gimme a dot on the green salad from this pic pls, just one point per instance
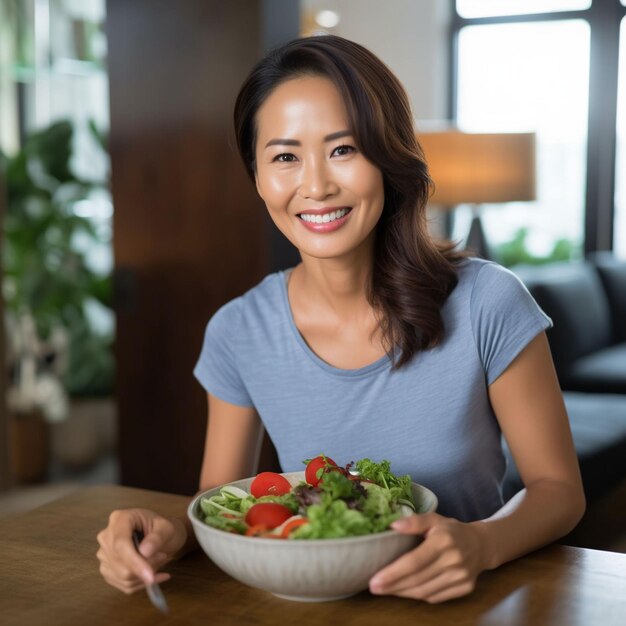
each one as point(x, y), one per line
point(332, 502)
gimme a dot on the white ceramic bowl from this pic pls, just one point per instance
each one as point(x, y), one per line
point(311, 570)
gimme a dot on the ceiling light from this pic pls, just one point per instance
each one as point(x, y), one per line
point(327, 19)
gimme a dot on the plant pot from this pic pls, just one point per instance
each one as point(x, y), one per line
point(29, 446)
point(89, 431)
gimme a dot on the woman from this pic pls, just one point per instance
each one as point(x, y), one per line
point(380, 343)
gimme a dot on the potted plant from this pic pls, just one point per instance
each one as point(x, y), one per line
point(48, 282)
point(516, 251)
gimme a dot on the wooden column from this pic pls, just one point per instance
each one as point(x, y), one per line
point(189, 230)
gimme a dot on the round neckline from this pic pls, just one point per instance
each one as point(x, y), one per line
point(382, 362)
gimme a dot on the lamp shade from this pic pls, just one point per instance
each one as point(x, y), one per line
point(477, 168)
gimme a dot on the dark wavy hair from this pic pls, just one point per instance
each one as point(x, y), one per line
point(412, 275)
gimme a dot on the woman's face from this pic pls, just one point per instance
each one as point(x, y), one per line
point(321, 192)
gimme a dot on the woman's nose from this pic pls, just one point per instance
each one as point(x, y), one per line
point(317, 182)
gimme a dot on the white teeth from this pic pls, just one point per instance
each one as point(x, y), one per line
point(323, 219)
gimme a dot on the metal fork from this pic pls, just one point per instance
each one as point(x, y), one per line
point(154, 591)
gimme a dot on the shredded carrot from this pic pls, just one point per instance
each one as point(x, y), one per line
point(292, 525)
point(256, 531)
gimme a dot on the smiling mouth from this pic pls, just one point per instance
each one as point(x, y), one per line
point(326, 217)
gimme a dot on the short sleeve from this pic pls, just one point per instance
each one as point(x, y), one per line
point(216, 369)
point(505, 318)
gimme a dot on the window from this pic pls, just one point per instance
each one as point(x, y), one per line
point(540, 88)
point(488, 8)
point(550, 66)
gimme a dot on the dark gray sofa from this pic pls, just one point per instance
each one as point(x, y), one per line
point(587, 303)
point(598, 423)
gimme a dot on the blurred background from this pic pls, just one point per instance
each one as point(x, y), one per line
point(127, 219)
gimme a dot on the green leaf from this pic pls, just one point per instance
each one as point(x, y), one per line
point(43, 270)
point(399, 486)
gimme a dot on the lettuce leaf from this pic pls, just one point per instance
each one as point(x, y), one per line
point(398, 487)
point(349, 508)
point(225, 523)
point(342, 507)
point(333, 519)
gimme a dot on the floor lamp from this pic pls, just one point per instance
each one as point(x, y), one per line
point(477, 169)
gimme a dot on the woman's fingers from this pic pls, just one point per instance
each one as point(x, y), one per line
point(413, 561)
point(123, 578)
point(118, 547)
point(418, 523)
point(159, 559)
point(417, 560)
point(437, 590)
point(412, 579)
point(122, 564)
point(124, 553)
point(162, 577)
point(445, 565)
point(118, 570)
point(126, 584)
point(158, 537)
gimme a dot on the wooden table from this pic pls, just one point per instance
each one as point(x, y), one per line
point(49, 575)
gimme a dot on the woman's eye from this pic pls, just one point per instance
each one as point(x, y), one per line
point(343, 150)
point(284, 157)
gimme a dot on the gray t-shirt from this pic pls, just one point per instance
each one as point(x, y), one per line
point(431, 419)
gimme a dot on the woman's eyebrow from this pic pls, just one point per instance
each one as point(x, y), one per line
point(295, 142)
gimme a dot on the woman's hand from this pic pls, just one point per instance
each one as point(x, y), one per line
point(120, 563)
point(444, 566)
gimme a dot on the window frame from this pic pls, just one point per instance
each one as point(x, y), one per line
point(604, 18)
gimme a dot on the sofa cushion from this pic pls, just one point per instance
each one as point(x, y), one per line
point(572, 295)
point(612, 273)
point(598, 423)
point(603, 371)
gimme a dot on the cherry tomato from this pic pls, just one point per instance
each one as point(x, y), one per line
point(314, 465)
point(269, 484)
point(268, 514)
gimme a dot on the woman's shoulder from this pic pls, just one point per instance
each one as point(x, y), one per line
point(490, 291)
point(480, 274)
point(485, 284)
point(469, 267)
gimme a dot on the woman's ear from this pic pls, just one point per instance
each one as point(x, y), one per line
point(258, 187)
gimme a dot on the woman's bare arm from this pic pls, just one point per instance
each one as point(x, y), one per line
point(233, 440)
point(529, 405)
point(231, 450)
